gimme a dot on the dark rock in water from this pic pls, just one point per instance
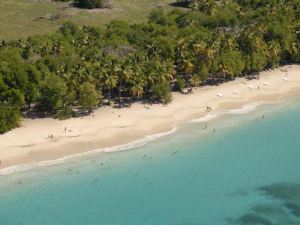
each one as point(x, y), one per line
point(294, 208)
point(252, 219)
point(268, 209)
point(285, 207)
point(282, 191)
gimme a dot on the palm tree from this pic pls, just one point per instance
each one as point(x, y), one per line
point(108, 76)
point(111, 81)
point(251, 39)
point(169, 70)
point(137, 83)
point(228, 42)
point(187, 66)
point(273, 52)
point(124, 76)
point(196, 80)
point(137, 89)
point(223, 70)
point(205, 6)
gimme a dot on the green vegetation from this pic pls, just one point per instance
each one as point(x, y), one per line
point(162, 92)
point(24, 18)
point(9, 117)
point(89, 97)
point(69, 72)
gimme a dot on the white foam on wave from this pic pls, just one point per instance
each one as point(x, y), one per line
point(246, 108)
point(243, 110)
point(207, 117)
point(134, 144)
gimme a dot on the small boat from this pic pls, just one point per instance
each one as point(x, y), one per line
point(284, 78)
point(220, 95)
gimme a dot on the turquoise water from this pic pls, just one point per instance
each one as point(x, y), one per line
point(247, 172)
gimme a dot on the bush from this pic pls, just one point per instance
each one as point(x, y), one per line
point(180, 84)
point(9, 117)
point(89, 96)
point(64, 113)
point(162, 92)
point(91, 4)
point(53, 93)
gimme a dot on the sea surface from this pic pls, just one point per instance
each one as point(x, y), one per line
point(236, 169)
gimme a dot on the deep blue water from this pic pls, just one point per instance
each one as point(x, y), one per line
point(247, 172)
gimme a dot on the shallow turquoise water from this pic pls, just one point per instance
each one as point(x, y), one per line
point(247, 172)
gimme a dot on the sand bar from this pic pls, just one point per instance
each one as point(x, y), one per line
point(108, 126)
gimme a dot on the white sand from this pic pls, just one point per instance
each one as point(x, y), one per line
point(109, 127)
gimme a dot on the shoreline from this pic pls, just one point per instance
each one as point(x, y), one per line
point(109, 129)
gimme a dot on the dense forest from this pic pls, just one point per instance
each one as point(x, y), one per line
point(77, 69)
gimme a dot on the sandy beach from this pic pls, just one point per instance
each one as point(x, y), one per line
point(108, 126)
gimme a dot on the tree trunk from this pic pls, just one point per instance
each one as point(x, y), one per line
point(120, 86)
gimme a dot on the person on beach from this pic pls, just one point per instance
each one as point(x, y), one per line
point(65, 129)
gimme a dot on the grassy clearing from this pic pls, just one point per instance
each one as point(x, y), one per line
point(21, 18)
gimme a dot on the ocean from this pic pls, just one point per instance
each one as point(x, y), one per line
point(235, 169)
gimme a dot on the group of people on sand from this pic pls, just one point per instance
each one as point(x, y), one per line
point(147, 107)
point(51, 136)
point(208, 109)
